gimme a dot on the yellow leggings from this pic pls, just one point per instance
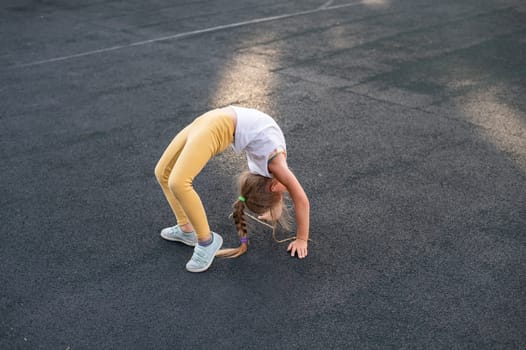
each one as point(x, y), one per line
point(184, 158)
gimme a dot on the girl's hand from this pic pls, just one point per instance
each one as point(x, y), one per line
point(298, 246)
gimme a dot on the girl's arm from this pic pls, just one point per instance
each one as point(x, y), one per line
point(281, 172)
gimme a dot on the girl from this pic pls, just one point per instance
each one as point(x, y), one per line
point(261, 189)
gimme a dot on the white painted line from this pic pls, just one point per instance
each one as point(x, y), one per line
point(326, 7)
point(327, 4)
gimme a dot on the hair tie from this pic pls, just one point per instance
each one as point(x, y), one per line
point(244, 240)
point(241, 198)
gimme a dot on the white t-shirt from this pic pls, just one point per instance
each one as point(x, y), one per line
point(259, 136)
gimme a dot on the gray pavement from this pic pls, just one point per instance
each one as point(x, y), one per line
point(405, 122)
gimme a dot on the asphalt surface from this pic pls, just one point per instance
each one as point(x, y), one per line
point(405, 122)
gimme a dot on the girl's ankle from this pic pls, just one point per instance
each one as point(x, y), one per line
point(187, 228)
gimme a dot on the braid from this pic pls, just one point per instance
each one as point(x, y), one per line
point(241, 227)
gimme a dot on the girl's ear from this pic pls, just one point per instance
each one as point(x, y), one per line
point(274, 185)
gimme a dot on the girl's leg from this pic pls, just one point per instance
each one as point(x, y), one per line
point(190, 162)
point(163, 170)
point(208, 136)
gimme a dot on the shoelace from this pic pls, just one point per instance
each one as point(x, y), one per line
point(175, 233)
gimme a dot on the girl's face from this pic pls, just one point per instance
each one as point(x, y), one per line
point(276, 211)
point(273, 213)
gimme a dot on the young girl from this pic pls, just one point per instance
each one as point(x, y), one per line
point(261, 189)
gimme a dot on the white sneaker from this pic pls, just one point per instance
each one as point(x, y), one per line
point(175, 234)
point(203, 256)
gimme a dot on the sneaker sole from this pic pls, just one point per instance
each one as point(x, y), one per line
point(203, 269)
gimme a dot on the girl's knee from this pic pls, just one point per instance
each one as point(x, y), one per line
point(178, 184)
point(161, 173)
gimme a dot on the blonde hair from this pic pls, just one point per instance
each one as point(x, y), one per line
point(257, 196)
